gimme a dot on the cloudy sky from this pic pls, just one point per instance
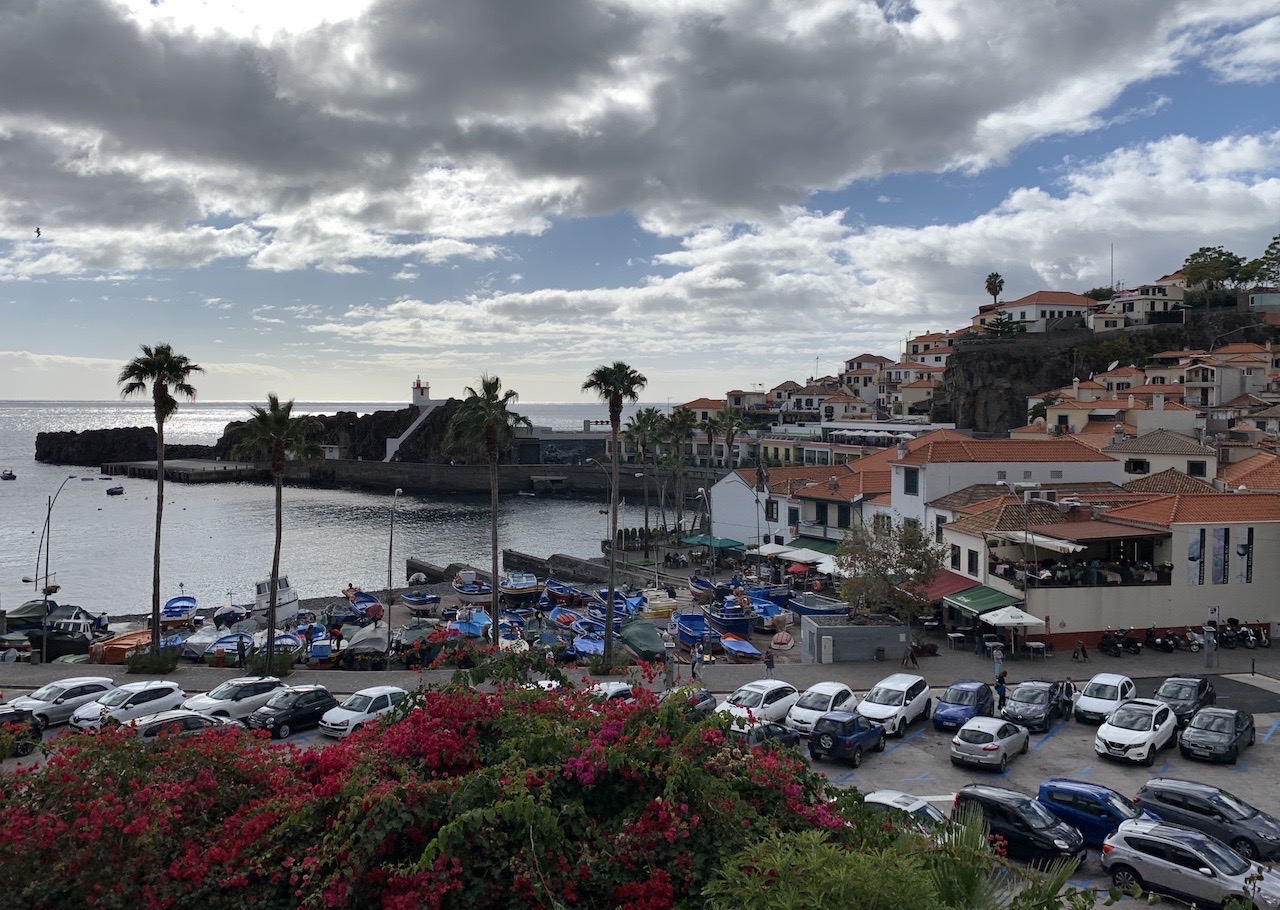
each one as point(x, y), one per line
point(327, 198)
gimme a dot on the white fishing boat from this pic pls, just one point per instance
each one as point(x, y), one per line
point(286, 599)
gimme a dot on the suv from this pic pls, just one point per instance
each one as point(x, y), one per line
point(132, 700)
point(56, 702)
point(1030, 831)
point(294, 708)
point(1186, 695)
point(1136, 731)
point(896, 701)
point(1034, 704)
point(964, 700)
point(696, 703)
point(361, 708)
point(1251, 833)
point(1187, 864)
point(1102, 695)
point(843, 734)
point(235, 698)
point(764, 699)
point(1092, 808)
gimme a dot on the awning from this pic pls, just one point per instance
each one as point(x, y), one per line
point(720, 543)
point(979, 599)
point(1039, 541)
point(944, 584)
point(828, 566)
point(773, 549)
point(816, 544)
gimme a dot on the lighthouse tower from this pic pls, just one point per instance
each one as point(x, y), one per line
point(422, 394)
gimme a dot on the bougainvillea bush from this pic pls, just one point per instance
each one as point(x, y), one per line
point(515, 798)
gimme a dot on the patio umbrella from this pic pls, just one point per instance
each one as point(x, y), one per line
point(798, 568)
point(1012, 617)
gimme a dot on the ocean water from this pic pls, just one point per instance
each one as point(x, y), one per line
point(217, 538)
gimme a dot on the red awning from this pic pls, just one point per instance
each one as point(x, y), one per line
point(945, 583)
point(798, 568)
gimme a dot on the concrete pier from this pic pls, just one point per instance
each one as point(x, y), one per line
point(189, 470)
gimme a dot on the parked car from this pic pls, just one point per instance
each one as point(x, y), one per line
point(1031, 832)
point(1136, 731)
point(614, 690)
point(846, 735)
point(291, 709)
point(1186, 695)
point(361, 708)
point(152, 728)
point(698, 703)
point(896, 701)
point(989, 742)
point(1250, 832)
point(1096, 811)
point(1186, 864)
point(235, 698)
point(56, 702)
point(1102, 695)
point(766, 733)
point(21, 724)
point(1217, 734)
point(130, 701)
point(963, 700)
point(764, 699)
point(816, 701)
point(922, 813)
point(1032, 704)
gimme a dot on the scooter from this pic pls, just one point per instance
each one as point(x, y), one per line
point(1109, 644)
point(1248, 637)
point(1194, 640)
point(1159, 642)
point(1264, 639)
point(1131, 643)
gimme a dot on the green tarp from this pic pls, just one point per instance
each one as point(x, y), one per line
point(720, 543)
point(980, 599)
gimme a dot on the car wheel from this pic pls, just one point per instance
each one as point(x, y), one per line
point(1125, 879)
point(815, 755)
point(856, 758)
point(1245, 848)
point(1183, 752)
point(1004, 763)
point(42, 722)
point(880, 743)
point(1026, 745)
point(1234, 755)
point(899, 729)
point(1253, 737)
point(928, 708)
point(827, 742)
point(23, 749)
point(1151, 756)
point(283, 731)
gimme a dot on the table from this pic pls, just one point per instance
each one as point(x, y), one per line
point(955, 640)
point(1034, 649)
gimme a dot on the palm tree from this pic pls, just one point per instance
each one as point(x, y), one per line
point(167, 373)
point(274, 430)
point(614, 384)
point(644, 430)
point(995, 284)
point(485, 421)
point(681, 424)
point(710, 426)
point(731, 424)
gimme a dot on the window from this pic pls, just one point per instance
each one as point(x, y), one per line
point(842, 516)
point(955, 557)
point(911, 481)
point(1002, 475)
point(793, 517)
point(771, 510)
point(1026, 475)
point(938, 524)
point(881, 523)
point(1137, 466)
point(1055, 475)
point(1197, 468)
point(973, 562)
point(820, 513)
point(912, 523)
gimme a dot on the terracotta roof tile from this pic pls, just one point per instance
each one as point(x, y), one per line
point(1046, 298)
point(1241, 347)
point(1258, 472)
point(1201, 508)
point(1007, 516)
point(996, 450)
point(984, 491)
point(1161, 442)
point(705, 403)
point(1169, 481)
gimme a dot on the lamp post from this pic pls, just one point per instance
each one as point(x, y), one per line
point(391, 539)
point(711, 530)
point(46, 537)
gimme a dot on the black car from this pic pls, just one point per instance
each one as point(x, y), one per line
point(698, 703)
point(1186, 695)
point(294, 708)
point(1250, 832)
point(1033, 704)
point(21, 724)
point(1031, 831)
point(766, 734)
point(1217, 734)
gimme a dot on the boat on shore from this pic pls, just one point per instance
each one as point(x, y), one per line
point(738, 649)
point(286, 599)
point(769, 615)
point(178, 611)
point(733, 615)
point(561, 592)
point(420, 603)
point(472, 588)
point(659, 603)
point(692, 629)
point(810, 604)
point(519, 588)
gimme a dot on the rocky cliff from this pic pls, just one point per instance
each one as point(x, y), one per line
point(361, 437)
point(93, 448)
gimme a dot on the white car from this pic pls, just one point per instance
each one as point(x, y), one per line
point(816, 701)
point(922, 812)
point(361, 708)
point(152, 728)
point(130, 701)
point(235, 698)
point(764, 699)
point(896, 701)
point(612, 691)
point(56, 702)
point(1102, 695)
point(989, 742)
point(1136, 731)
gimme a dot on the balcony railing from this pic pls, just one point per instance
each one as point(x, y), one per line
point(1080, 575)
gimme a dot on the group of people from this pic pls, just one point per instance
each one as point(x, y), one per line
point(1064, 693)
point(675, 560)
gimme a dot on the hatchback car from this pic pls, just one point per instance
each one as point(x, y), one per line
point(1102, 695)
point(292, 709)
point(766, 733)
point(989, 742)
point(20, 725)
point(1031, 831)
point(1136, 731)
point(896, 701)
point(1092, 808)
point(1251, 833)
point(963, 700)
point(816, 701)
point(1186, 864)
point(56, 702)
point(179, 722)
point(1217, 734)
point(1033, 703)
point(130, 701)
point(846, 735)
point(1186, 695)
point(922, 813)
point(361, 708)
point(614, 690)
point(697, 703)
point(764, 699)
point(235, 698)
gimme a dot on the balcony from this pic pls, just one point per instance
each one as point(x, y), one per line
point(1093, 574)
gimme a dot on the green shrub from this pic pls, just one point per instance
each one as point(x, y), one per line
point(281, 665)
point(142, 661)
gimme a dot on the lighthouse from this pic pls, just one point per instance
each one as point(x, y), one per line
point(422, 394)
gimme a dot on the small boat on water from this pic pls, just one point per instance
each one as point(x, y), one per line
point(738, 649)
point(178, 611)
point(733, 614)
point(115, 491)
point(692, 629)
point(7, 474)
point(519, 588)
point(472, 588)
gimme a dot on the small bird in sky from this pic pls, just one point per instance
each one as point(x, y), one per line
point(37, 232)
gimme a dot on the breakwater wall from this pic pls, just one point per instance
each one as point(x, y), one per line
point(558, 565)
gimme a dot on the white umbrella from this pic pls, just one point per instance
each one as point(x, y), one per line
point(1012, 617)
point(773, 549)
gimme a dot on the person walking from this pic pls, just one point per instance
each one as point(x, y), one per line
point(997, 658)
point(1066, 698)
point(768, 664)
point(695, 659)
point(1000, 689)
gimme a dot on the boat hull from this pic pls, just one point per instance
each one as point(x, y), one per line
point(739, 650)
point(732, 624)
point(692, 629)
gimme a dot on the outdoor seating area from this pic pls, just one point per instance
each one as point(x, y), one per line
point(1080, 573)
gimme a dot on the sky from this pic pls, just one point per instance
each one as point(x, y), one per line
point(327, 199)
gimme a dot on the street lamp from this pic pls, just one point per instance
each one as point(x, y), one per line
point(391, 538)
point(45, 545)
point(711, 530)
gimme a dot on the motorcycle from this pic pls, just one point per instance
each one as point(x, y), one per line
point(1159, 642)
point(1194, 640)
point(1228, 637)
point(1130, 642)
point(1264, 639)
point(1110, 644)
point(1248, 637)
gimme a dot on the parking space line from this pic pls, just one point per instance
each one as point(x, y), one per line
point(902, 742)
point(1052, 731)
point(1084, 772)
point(1241, 766)
point(1272, 730)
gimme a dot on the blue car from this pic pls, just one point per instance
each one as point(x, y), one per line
point(1096, 810)
point(846, 735)
point(964, 700)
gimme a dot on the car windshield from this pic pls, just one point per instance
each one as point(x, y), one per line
point(115, 698)
point(1130, 719)
point(225, 691)
point(1036, 815)
point(1213, 723)
point(929, 814)
point(48, 693)
point(879, 696)
point(958, 696)
point(1232, 807)
point(357, 703)
point(1030, 696)
point(746, 698)
point(1105, 691)
point(815, 701)
point(1177, 691)
point(975, 737)
point(283, 700)
point(1223, 857)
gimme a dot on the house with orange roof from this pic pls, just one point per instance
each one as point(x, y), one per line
point(1040, 311)
point(744, 400)
point(777, 396)
point(756, 506)
point(706, 408)
point(1267, 419)
point(1259, 474)
point(1147, 304)
point(1161, 450)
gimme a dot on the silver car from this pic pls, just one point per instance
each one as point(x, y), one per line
point(1186, 864)
point(989, 742)
point(56, 702)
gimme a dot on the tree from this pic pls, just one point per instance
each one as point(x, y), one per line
point(486, 422)
point(681, 425)
point(167, 374)
point(878, 561)
point(1100, 294)
point(995, 284)
point(1041, 408)
point(731, 424)
point(1003, 326)
point(274, 431)
point(711, 427)
point(644, 431)
point(1211, 268)
point(614, 384)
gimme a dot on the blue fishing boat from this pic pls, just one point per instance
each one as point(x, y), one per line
point(810, 604)
point(778, 594)
point(228, 646)
point(704, 588)
point(692, 628)
point(562, 592)
point(472, 588)
point(589, 645)
point(471, 623)
point(733, 614)
point(767, 613)
point(738, 649)
point(178, 611)
point(563, 616)
point(420, 603)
